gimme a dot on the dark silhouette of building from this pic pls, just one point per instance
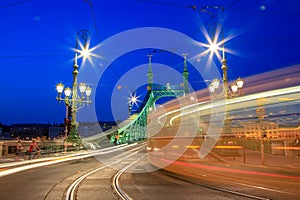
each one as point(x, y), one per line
point(27, 131)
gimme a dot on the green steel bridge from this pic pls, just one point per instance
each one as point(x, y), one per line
point(135, 127)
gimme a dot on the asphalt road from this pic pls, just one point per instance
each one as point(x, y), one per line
point(47, 182)
point(51, 182)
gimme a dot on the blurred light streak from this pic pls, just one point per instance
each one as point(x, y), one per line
point(281, 78)
point(239, 102)
point(192, 147)
point(228, 147)
point(277, 79)
point(222, 169)
point(287, 148)
point(30, 164)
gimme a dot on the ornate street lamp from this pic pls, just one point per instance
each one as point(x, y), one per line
point(72, 99)
point(235, 87)
point(234, 90)
point(132, 100)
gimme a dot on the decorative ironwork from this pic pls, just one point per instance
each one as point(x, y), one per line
point(136, 130)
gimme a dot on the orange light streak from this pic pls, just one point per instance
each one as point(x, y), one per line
point(228, 147)
point(223, 169)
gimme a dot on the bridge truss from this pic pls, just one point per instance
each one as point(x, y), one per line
point(136, 130)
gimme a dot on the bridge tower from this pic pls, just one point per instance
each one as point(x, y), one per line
point(150, 74)
point(136, 129)
point(185, 75)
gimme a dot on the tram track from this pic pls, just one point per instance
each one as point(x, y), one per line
point(118, 190)
point(72, 190)
point(116, 181)
point(90, 179)
point(217, 188)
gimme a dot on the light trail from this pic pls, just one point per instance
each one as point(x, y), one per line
point(290, 93)
point(51, 161)
point(223, 169)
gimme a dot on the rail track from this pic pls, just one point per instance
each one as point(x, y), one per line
point(129, 157)
point(71, 193)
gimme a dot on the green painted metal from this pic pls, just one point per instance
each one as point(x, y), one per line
point(136, 130)
point(185, 75)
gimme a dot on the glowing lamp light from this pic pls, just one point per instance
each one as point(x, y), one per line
point(240, 82)
point(213, 47)
point(68, 92)
point(85, 53)
point(59, 88)
point(72, 99)
point(133, 99)
point(168, 87)
point(216, 83)
point(212, 88)
point(82, 87)
point(88, 91)
point(234, 88)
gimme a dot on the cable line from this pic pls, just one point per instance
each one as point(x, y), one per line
point(14, 4)
point(32, 55)
point(93, 16)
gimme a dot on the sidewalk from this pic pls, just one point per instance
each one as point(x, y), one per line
point(254, 159)
point(7, 159)
point(11, 158)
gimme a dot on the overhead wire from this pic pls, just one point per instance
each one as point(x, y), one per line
point(14, 4)
point(91, 5)
point(32, 55)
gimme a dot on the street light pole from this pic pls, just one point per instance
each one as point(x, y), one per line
point(227, 124)
point(73, 132)
point(66, 121)
point(224, 69)
point(72, 98)
point(226, 93)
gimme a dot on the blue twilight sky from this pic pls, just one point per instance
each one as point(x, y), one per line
point(38, 39)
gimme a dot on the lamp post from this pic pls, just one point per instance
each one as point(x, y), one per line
point(234, 90)
point(71, 97)
point(132, 100)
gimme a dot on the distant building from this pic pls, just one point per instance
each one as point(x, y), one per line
point(56, 132)
point(266, 129)
point(288, 132)
point(86, 129)
point(4, 132)
point(28, 131)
